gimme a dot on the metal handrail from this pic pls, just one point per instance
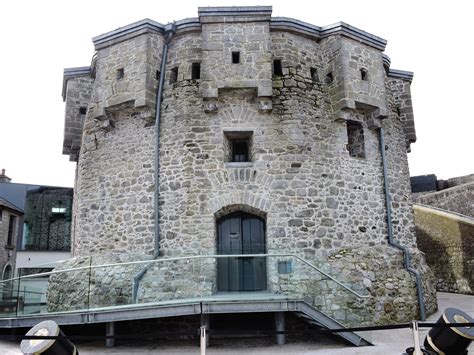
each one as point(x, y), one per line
point(192, 257)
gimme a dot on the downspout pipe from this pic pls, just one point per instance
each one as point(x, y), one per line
point(159, 96)
point(391, 241)
point(169, 32)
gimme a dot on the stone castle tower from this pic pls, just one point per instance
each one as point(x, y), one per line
point(267, 140)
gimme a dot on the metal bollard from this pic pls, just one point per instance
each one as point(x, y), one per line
point(452, 341)
point(47, 346)
point(203, 340)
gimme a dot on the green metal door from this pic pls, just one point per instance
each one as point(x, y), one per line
point(241, 233)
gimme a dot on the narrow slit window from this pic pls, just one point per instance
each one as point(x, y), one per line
point(235, 57)
point(174, 75)
point(329, 78)
point(11, 230)
point(364, 74)
point(355, 139)
point(196, 71)
point(277, 69)
point(314, 75)
point(120, 73)
point(158, 74)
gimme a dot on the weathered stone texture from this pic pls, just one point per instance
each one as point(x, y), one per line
point(92, 286)
point(401, 96)
point(448, 243)
point(317, 200)
point(251, 41)
point(7, 250)
point(118, 162)
point(459, 199)
point(77, 98)
point(126, 73)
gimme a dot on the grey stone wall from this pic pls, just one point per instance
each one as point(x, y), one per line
point(403, 106)
point(77, 95)
point(8, 251)
point(448, 242)
point(126, 73)
point(318, 201)
point(459, 199)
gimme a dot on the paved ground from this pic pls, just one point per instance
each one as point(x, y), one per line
point(385, 342)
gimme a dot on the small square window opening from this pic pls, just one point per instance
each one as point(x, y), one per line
point(238, 146)
point(235, 57)
point(82, 110)
point(364, 74)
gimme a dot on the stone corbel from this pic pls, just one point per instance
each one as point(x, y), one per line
point(211, 106)
point(265, 104)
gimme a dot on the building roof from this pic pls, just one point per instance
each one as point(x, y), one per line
point(10, 206)
point(209, 14)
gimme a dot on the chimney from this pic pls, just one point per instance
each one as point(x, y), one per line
point(3, 177)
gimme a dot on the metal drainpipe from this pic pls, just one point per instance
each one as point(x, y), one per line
point(159, 95)
point(406, 252)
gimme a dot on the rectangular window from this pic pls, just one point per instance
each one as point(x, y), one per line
point(120, 73)
point(240, 151)
point(329, 78)
point(196, 71)
point(314, 75)
point(277, 69)
point(355, 139)
point(174, 75)
point(58, 210)
point(238, 146)
point(11, 230)
point(235, 57)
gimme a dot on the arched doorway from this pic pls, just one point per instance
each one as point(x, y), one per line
point(241, 233)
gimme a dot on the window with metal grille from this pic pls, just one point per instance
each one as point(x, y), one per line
point(238, 146)
point(240, 151)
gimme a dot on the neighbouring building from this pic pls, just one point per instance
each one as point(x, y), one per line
point(273, 136)
point(38, 219)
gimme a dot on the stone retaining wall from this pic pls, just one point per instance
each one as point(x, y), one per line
point(448, 243)
point(459, 199)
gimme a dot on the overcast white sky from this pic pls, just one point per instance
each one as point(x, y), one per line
point(40, 38)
